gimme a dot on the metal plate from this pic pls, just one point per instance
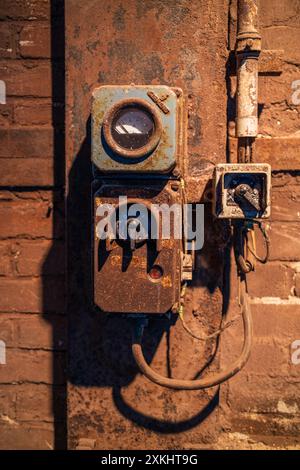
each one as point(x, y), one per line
point(164, 156)
point(121, 277)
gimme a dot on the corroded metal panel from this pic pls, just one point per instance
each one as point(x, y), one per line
point(119, 268)
point(164, 103)
point(180, 44)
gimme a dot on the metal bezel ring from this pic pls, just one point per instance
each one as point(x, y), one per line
point(154, 139)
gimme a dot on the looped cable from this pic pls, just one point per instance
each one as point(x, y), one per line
point(245, 255)
point(245, 246)
point(206, 382)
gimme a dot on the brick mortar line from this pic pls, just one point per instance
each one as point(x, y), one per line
point(32, 277)
point(14, 385)
point(26, 382)
point(27, 21)
point(14, 318)
point(24, 348)
point(24, 237)
point(275, 415)
point(33, 189)
point(25, 277)
point(268, 300)
point(29, 96)
point(41, 314)
point(18, 422)
point(34, 61)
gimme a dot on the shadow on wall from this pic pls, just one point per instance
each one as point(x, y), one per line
point(99, 346)
point(53, 270)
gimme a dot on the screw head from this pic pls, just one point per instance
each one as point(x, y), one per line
point(175, 186)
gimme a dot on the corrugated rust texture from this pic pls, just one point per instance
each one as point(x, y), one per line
point(181, 44)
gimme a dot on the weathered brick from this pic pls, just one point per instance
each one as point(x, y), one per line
point(35, 41)
point(33, 366)
point(284, 241)
point(297, 284)
point(281, 152)
point(279, 13)
point(275, 431)
point(32, 257)
point(279, 120)
point(35, 146)
point(251, 393)
point(279, 321)
point(33, 112)
point(30, 219)
point(26, 10)
point(8, 401)
point(36, 402)
point(283, 180)
point(7, 42)
point(36, 332)
point(282, 281)
point(269, 356)
point(275, 89)
point(39, 436)
point(32, 194)
point(7, 330)
point(31, 172)
point(6, 114)
point(286, 203)
point(27, 78)
point(26, 142)
point(5, 260)
point(32, 295)
point(33, 331)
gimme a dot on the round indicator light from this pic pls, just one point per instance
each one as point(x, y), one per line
point(155, 273)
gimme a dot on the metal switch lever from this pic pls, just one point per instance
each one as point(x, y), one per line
point(244, 191)
point(134, 224)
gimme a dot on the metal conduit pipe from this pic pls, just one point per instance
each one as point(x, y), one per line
point(248, 47)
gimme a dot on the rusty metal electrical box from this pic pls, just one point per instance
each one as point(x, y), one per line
point(137, 129)
point(138, 141)
point(137, 274)
point(242, 191)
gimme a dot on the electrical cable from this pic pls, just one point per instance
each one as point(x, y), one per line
point(206, 382)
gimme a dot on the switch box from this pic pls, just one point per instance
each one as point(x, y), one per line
point(140, 275)
point(242, 191)
point(138, 129)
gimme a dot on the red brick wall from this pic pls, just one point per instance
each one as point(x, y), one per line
point(32, 321)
